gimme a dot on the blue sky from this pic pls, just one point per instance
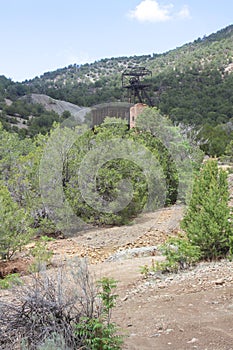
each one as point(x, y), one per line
point(42, 35)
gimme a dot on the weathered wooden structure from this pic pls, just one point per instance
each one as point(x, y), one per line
point(113, 109)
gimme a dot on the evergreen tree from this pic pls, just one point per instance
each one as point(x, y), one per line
point(207, 220)
point(14, 228)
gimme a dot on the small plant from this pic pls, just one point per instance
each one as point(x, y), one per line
point(180, 254)
point(41, 253)
point(108, 298)
point(10, 280)
point(99, 333)
point(145, 270)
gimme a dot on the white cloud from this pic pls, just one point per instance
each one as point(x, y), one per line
point(70, 56)
point(151, 11)
point(184, 13)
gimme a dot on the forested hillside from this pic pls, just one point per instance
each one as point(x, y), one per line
point(192, 84)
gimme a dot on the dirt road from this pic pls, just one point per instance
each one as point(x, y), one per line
point(189, 310)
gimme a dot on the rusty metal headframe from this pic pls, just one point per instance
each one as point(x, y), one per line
point(133, 80)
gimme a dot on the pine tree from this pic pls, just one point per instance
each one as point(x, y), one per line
point(207, 220)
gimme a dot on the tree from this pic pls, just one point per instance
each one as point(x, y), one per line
point(229, 151)
point(183, 153)
point(207, 220)
point(114, 174)
point(14, 225)
point(216, 138)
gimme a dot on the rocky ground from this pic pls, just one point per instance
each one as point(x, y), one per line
point(188, 310)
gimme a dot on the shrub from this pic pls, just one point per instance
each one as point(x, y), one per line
point(63, 311)
point(55, 342)
point(99, 333)
point(180, 254)
point(10, 280)
point(41, 253)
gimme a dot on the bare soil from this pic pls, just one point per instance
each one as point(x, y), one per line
point(188, 310)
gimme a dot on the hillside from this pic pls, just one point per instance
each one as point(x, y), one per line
point(189, 83)
point(50, 104)
point(192, 84)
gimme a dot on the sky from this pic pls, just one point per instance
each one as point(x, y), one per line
point(37, 36)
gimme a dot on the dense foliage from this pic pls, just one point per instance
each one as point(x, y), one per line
point(107, 175)
point(123, 156)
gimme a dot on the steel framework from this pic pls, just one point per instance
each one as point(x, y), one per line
point(133, 81)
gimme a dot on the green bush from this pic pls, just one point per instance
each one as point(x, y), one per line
point(14, 225)
point(180, 254)
point(41, 253)
point(10, 280)
point(99, 333)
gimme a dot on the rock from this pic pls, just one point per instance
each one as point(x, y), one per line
point(219, 282)
point(194, 340)
point(169, 330)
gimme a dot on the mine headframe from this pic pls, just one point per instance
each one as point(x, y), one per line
point(133, 81)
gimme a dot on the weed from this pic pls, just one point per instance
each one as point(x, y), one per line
point(10, 280)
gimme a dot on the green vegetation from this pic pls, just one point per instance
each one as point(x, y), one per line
point(207, 220)
point(68, 310)
point(180, 254)
point(99, 333)
point(108, 175)
point(28, 119)
point(14, 228)
point(10, 280)
point(41, 253)
point(228, 156)
point(138, 174)
point(207, 224)
point(119, 155)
